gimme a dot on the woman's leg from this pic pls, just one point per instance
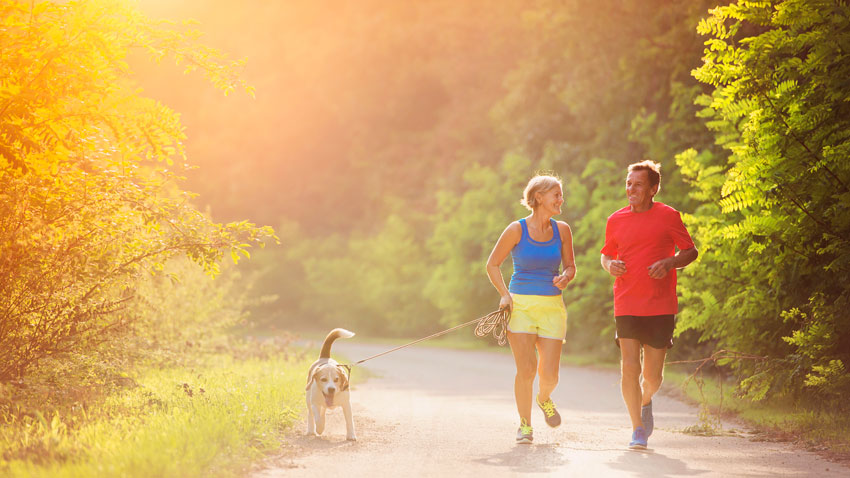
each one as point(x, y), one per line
point(522, 347)
point(549, 365)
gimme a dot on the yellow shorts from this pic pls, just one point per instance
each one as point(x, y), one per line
point(542, 315)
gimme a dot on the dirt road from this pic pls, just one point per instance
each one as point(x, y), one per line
point(437, 412)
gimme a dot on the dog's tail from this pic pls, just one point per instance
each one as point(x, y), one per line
point(329, 340)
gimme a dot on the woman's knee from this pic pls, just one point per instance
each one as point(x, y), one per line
point(549, 378)
point(549, 373)
point(526, 371)
point(524, 356)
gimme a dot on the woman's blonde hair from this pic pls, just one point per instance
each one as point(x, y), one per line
point(540, 183)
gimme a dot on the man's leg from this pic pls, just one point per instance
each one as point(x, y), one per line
point(522, 347)
point(653, 372)
point(630, 378)
point(549, 366)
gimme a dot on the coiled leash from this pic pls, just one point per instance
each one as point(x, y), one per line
point(495, 322)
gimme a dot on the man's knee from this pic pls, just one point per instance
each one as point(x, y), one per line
point(653, 379)
point(630, 369)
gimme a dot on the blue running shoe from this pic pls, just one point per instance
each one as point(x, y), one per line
point(638, 439)
point(646, 418)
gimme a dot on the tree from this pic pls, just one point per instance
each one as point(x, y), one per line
point(466, 228)
point(590, 99)
point(88, 174)
point(777, 253)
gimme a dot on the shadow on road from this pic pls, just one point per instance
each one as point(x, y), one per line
point(649, 463)
point(543, 458)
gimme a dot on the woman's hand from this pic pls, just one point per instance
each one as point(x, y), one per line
point(561, 281)
point(506, 302)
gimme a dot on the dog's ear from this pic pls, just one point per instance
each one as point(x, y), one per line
point(313, 372)
point(344, 372)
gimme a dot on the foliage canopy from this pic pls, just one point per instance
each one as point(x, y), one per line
point(88, 175)
point(776, 223)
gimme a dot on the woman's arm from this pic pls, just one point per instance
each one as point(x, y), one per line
point(567, 257)
point(510, 237)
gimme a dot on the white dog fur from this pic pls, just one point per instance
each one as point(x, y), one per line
point(327, 387)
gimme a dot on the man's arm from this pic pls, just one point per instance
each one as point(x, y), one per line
point(613, 266)
point(682, 258)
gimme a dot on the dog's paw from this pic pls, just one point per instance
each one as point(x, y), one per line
point(351, 438)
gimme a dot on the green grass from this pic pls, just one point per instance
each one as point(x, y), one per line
point(777, 419)
point(210, 420)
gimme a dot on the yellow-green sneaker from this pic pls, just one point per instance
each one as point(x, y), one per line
point(553, 418)
point(525, 434)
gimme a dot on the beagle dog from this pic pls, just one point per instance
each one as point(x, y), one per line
point(327, 387)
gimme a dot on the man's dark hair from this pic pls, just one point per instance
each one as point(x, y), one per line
point(652, 169)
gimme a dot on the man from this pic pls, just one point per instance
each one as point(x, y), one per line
point(639, 252)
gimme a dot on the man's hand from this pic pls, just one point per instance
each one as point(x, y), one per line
point(616, 268)
point(659, 269)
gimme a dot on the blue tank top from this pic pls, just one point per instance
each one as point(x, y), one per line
point(536, 263)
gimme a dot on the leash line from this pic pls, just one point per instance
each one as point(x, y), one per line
point(495, 322)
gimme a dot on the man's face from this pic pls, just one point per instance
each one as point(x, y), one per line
point(638, 189)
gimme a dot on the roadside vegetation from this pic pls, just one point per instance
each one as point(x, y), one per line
point(116, 300)
point(774, 420)
point(213, 418)
point(391, 166)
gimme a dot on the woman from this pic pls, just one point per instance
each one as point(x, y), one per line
point(539, 246)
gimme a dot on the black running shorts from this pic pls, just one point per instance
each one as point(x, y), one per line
point(653, 330)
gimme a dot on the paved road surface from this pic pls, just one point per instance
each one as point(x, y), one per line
point(439, 412)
